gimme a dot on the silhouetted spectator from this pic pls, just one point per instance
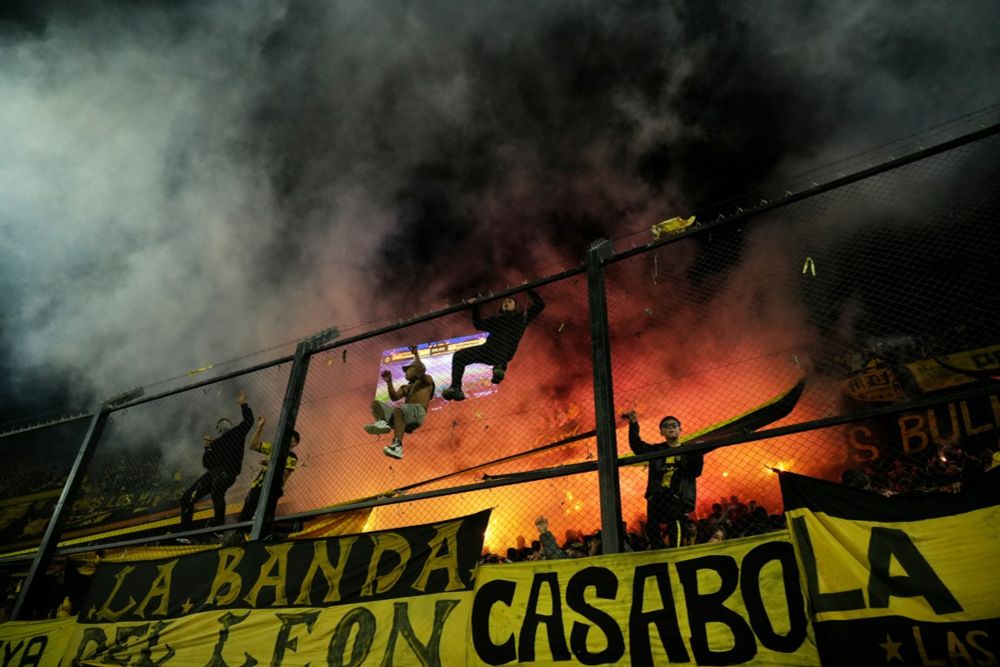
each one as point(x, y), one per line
point(222, 459)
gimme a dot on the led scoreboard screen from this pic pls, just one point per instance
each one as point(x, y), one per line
point(437, 357)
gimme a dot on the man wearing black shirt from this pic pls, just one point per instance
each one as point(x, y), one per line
point(505, 331)
point(222, 459)
point(671, 488)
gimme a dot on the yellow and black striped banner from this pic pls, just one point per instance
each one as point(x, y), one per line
point(386, 597)
point(904, 580)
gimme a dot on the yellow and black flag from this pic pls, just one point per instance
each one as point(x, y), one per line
point(906, 580)
point(767, 413)
point(400, 596)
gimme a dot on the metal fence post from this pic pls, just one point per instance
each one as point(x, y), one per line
point(604, 407)
point(263, 517)
point(60, 513)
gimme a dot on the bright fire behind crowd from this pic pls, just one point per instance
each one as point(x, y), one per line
point(731, 362)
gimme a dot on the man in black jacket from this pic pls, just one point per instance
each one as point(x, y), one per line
point(505, 331)
point(671, 488)
point(222, 459)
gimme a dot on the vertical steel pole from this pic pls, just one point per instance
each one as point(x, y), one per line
point(60, 514)
point(263, 517)
point(604, 406)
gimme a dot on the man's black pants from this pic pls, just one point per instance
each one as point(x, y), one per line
point(214, 482)
point(664, 508)
point(480, 354)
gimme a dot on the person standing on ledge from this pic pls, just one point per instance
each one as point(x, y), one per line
point(671, 488)
point(264, 447)
point(222, 460)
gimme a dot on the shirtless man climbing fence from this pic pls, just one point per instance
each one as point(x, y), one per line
point(407, 417)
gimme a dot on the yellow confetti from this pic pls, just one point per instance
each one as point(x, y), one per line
point(809, 266)
point(671, 226)
point(201, 370)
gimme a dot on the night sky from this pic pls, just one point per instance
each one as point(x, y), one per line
point(186, 182)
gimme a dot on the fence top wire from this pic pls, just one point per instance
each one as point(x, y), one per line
point(790, 197)
point(16, 428)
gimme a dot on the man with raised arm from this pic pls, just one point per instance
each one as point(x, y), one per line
point(407, 417)
point(222, 460)
point(265, 448)
point(671, 488)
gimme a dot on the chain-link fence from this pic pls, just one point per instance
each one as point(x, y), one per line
point(37, 462)
point(524, 377)
point(875, 294)
point(848, 334)
point(154, 458)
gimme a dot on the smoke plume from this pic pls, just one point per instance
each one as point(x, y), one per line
point(184, 183)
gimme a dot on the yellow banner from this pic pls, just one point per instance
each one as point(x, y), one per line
point(875, 385)
point(945, 583)
point(908, 578)
point(422, 630)
point(932, 376)
point(41, 643)
point(738, 602)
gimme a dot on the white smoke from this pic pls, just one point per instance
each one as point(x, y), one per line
point(182, 185)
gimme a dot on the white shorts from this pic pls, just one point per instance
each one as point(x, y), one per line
point(413, 413)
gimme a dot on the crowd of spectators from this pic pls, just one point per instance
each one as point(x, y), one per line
point(729, 518)
point(124, 487)
point(118, 488)
point(117, 481)
point(943, 469)
point(27, 478)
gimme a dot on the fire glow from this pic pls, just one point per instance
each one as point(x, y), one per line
point(746, 357)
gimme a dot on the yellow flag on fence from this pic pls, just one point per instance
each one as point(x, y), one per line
point(909, 579)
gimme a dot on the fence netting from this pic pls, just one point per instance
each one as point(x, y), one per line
point(522, 394)
point(875, 294)
point(151, 453)
point(569, 505)
point(36, 464)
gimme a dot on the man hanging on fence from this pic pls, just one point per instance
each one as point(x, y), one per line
point(222, 459)
point(505, 331)
point(410, 415)
point(671, 488)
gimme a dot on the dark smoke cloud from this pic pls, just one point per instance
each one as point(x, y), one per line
point(183, 183)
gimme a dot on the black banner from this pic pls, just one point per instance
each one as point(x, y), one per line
point(411, 561)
